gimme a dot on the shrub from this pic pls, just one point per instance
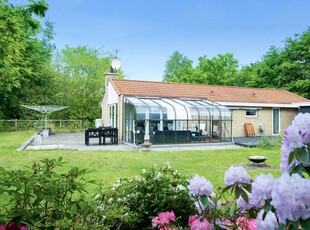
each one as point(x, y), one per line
point(41, 198)
point(267, 142)
point(139, 199)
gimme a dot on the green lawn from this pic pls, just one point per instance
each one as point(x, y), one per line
point(108, 166)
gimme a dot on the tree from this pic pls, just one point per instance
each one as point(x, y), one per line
point(220, 70)
point(287, 68)
point(80, 82)
point(178, 68)
point(23, 56)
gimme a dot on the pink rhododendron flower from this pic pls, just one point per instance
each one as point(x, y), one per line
point(245, 224)
point(191, 219)
point(163, 219)
point(236, 174)
point(196, 224)
point(13, 226)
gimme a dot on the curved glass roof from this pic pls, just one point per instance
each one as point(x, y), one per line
point(148, 108)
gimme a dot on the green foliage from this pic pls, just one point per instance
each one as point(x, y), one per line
point(42, 198)
point(135, 201)
point(178, 68)
point(286, 68)
point(220, 70)
point(268, 143)
point(80, 82)
point(24, 57)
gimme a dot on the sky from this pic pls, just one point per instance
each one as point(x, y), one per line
point(146, 32)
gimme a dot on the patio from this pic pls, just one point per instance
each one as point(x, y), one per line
point(249, 142)
point(76, 141)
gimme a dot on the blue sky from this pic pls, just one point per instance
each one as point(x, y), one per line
point(148, 32)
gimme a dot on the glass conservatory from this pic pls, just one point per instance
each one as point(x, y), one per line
point(175, 120)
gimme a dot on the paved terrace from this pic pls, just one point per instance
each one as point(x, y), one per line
point(76, 141)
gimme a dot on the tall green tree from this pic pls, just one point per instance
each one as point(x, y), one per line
point(286, 68)
point(24, 56)
point(219, 70)
point(178, 68)
point(80, 82)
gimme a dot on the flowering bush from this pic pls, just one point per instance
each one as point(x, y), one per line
point(266, 203)
point(133, 202)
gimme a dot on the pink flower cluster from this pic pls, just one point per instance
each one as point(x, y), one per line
point(242, 223)
point(13, 226)
point(245, 224)
point(163, 220)
point(196, 224)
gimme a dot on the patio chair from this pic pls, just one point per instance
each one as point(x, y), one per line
point(249, 130)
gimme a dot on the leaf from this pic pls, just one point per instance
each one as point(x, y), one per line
point(298, 170)
point(305, 224)
point(281, 227)
point(292, 156)
point(245, 196)
point(204, 200)
point(303, 155)
point(232, 210)
point(238, 191)
point(225, 189)
point(267, 206)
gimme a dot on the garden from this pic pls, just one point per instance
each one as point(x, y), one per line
point(211, 189)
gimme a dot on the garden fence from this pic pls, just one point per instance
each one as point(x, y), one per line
point(23, 125)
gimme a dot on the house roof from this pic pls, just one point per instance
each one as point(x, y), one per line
point(215, 93)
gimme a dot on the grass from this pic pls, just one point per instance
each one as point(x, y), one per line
point(108, 166)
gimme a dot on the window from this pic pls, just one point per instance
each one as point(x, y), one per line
point(113, 115)
point(275, 121)
point(251, 113)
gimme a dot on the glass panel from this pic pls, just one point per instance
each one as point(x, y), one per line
point(192, 110)
point(275, 121)
point(226, 131)
point(168, 111)
point(215, 114)
point(203, 111)
point(180, 110)
point(155, 109)
point(141, 108)
point(226, 114)
point(129, 123)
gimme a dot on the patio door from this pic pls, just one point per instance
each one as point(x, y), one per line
point(275, 121)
